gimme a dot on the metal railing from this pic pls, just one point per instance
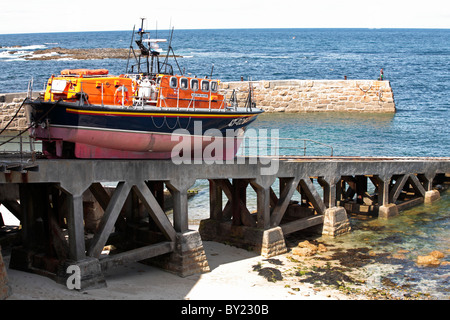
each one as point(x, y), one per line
point(18, 147)
point(272, 146)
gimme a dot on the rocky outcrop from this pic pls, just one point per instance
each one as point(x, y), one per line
point(78, 54)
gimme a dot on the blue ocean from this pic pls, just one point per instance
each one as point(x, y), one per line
point(415, 61)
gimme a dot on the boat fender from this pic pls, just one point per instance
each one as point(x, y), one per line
point(118, 95)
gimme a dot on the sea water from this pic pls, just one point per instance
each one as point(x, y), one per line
point(415, 61)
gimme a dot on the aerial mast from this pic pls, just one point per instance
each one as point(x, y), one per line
point(152, 49)
point(144, 51)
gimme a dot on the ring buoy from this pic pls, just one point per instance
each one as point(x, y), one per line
point(119, 96)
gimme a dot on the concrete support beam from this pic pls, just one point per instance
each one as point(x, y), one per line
point(109, 219)
point(416, 185)
point(155, 211)
point(287, 188)
point(383, 189)
point(397, 188)
point(302, 223)
point(313, 196)
point(83, 274)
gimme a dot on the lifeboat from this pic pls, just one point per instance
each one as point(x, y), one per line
point(144, 114)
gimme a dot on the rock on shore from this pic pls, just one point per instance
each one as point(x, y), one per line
point(433, 258)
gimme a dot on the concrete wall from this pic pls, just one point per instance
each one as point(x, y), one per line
point(318, 95)
point(274, 96)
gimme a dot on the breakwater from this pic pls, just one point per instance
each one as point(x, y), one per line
point(369, 96)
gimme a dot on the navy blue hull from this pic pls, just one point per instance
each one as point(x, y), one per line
point(126, 119)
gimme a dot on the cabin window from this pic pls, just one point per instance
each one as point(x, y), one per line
point(214, 86)
point(194, 84)
point(184, 83)
point(205, 85)
point(173, 82)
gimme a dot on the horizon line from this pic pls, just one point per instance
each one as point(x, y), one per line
point(244, 28)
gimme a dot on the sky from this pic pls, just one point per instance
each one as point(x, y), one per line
point(30, 16)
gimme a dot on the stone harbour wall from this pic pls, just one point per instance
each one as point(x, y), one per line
point(317, 95)
point(9, 104)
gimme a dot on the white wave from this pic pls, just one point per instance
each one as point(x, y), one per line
point(12, 55)
point(16, 59)
point(31, 47)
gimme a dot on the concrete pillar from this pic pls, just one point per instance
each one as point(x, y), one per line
point(188, 257)
point(215, 200)
point(273, 242)
point(77, 248)
point(179, 191)
point(335, 218)
point(262, 185)
point(385, 210)
point(329, 185)
point(268, 242)
point(5, 289)
point(335, 222)
point(432, 196)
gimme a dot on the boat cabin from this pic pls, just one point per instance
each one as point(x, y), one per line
point(189, 92)
point(96, 87)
